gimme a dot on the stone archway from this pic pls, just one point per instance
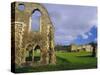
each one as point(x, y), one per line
point(44, 37)
point(37, 55)
point(31, 56)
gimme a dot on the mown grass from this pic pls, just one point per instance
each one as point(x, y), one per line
point(65, 61)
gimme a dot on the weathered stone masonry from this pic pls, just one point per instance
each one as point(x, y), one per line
point(26, 40)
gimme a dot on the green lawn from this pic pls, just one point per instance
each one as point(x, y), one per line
point(65, 61)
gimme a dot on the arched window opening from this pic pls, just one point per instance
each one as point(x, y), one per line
point(29, 54)
point(35, 20)
point(33, 54)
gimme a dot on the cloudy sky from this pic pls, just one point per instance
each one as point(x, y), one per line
point(73, 24)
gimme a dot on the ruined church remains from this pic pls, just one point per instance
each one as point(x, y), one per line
point(24, 40)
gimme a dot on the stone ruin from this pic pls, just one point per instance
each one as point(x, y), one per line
point(77, 48)
point(24, 40)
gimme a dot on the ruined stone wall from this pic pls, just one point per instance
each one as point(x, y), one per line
point(24, 36)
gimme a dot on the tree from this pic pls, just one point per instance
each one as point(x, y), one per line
point(94, 51)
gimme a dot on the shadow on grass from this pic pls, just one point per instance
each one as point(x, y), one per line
point(86, 56)
point(53, 68)
point(62, 64)
point(62, 60)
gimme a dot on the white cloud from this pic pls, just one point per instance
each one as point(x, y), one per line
point(71, 21)
point(89, 33)
point(95, 39)
point(93, 22)
point(84, 36)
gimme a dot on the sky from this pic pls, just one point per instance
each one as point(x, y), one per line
point(73, 24)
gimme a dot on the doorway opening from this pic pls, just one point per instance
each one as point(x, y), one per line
point(37, 52)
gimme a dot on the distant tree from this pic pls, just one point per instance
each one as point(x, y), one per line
point(94, 51)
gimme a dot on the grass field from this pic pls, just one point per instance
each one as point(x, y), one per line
point(65, 61)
